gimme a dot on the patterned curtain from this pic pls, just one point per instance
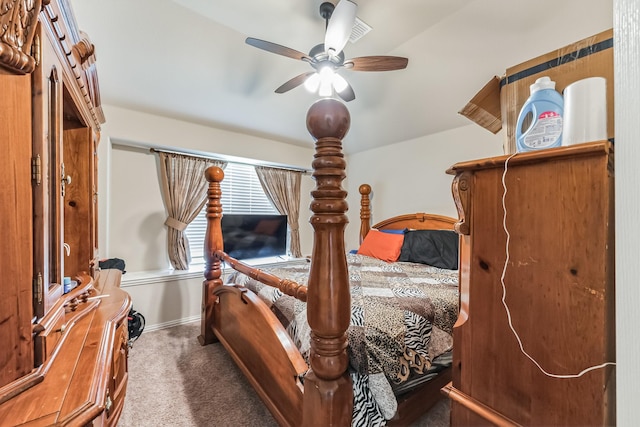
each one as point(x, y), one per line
point(184, 191)
point(282, 187)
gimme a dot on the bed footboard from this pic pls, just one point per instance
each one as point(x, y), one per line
point(262, 349)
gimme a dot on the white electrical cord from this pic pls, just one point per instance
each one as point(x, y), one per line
point(504, 292)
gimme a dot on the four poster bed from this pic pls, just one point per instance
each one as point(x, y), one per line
point(340, 339)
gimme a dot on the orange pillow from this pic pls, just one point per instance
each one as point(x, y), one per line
point(384, 246)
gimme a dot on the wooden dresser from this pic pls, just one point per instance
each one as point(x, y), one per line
point(62, 352)
point(558, 287)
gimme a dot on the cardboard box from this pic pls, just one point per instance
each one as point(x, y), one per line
point(499, 102)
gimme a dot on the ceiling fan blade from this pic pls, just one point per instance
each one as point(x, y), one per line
point(340, 26)
point(347, 94)
point(276, 48)
point(295, 82)
point(376, 63)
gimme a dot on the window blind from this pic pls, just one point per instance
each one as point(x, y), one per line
point(241, 193)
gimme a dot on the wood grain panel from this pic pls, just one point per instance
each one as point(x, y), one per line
point(262, 349)
point(78, 200)
point(558, 287)
point(15, 222)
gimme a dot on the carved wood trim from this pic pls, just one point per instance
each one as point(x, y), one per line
point(461, 189)
point(18, 23)
point(20, 50)
point(85, 51)
point(80, 72)
point(418, 221)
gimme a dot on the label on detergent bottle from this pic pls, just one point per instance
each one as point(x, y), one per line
point(545, 132)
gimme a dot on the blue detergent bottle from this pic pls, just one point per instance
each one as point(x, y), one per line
point(543, 112)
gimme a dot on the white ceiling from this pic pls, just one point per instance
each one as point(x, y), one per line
point(187, 59)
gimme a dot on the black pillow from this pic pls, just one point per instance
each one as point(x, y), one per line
point(438, 248)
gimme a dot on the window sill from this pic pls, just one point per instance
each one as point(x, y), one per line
point(137, 278)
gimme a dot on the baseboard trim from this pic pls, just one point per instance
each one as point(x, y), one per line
point(171, 323)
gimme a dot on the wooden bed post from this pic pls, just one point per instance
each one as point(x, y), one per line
point(328, 393)
point(365, 211)
point(213, 242)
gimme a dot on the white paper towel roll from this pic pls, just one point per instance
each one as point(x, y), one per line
point(585, 111)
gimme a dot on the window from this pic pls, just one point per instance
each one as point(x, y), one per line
point(241, 193)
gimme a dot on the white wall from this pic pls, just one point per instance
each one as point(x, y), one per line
point(135, 213)
point(132, 215)
point(166, 301)
point(626, 34)
point(410, 176)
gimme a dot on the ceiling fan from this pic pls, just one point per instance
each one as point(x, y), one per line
point(328, 58)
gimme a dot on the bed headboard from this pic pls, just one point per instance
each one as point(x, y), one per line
point(416, 221)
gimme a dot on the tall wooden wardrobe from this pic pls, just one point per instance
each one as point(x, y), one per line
point(63, 351)
point(535, 340)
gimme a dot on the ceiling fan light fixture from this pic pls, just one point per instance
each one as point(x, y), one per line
point(326, 78)
point(312, 83)
point(340, 26)
point(339, 83)
point(326, 73)
point(326, 89)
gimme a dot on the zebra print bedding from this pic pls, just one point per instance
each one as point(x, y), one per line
point(402, 317)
